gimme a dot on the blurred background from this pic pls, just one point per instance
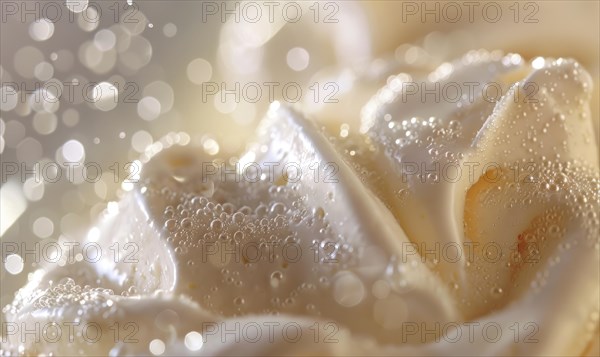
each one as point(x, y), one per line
point(88, 88)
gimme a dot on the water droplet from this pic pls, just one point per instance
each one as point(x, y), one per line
point(278, 208)
point(216, 225)
point(171, 225)
point(497, 292)
point(276, 277)
point(186, 223)
point(238, 218)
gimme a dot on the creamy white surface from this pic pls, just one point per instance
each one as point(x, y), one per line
point(375, 287)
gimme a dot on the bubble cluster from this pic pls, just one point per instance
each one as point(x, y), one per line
point(61, 294)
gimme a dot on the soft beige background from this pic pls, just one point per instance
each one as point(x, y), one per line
point(365, 30)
